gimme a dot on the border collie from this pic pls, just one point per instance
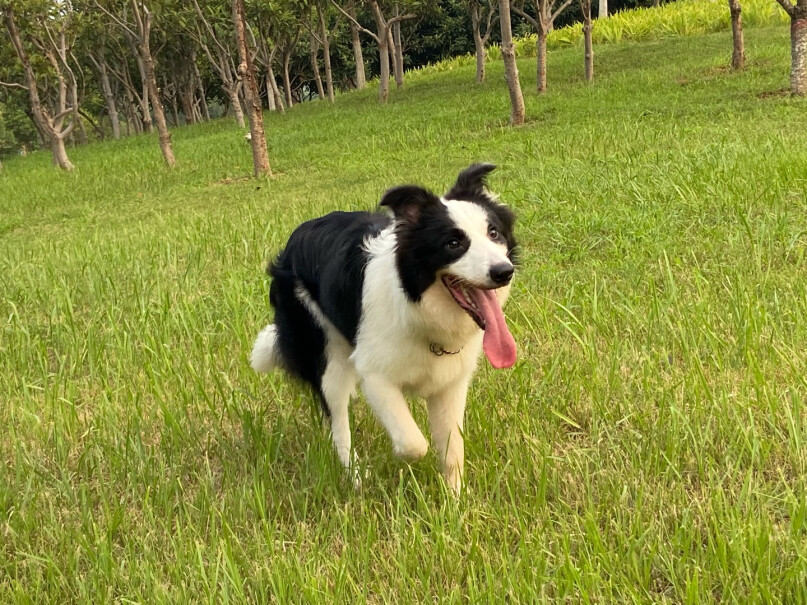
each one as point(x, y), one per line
point(404, 303)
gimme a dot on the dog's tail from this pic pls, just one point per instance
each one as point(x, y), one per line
point(265, 356)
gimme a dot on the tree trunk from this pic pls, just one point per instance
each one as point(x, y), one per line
point(315, 66)
point(201, 88)
point(358, 55)
point(383, 39)
point(798, 50)
point(286, 79)
point(144, 95)
point(383, 78)
point(109, 98)
point(173, 98)
point(510, 67)
point(260, 156)
point(481, 55)
point(585, 5)
point(275, 91)
point(738, 54)
point(235, 102)
point(59, 152)
point(479, 45)
point(602, 9)
point(270, 95)
point(391, 49)
point(326, 51)
point(397, 51)
point(540, 53)
point(156, 102)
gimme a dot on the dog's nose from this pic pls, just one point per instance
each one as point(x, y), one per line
point(501, 274)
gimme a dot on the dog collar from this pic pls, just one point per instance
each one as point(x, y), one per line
point(440, 351)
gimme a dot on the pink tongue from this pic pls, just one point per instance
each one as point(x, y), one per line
point(498, 343)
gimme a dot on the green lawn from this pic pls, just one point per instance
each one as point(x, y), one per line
point(649, 446)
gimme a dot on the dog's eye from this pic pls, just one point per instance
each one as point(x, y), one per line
point(493, 233)
point(453, 244)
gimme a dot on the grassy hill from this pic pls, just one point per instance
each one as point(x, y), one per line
point(648, 446)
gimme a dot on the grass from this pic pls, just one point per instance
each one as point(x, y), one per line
point(649, 446)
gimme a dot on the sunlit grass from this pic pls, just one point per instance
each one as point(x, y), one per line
point(648, 446)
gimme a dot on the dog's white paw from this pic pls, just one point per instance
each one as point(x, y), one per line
point(453, 478)
point(413, 449)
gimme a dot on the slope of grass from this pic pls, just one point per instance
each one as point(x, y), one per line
point(648, 446)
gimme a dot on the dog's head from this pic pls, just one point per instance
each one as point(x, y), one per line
point(465, 240)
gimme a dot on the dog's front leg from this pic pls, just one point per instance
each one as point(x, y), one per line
point(392, 411)
point(446, 414)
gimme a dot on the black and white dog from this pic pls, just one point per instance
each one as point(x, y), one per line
point(403, 303)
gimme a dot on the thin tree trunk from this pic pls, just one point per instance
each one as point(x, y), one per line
point(510, 67)
point(109, 98)
point(602, 9)
point(326, 51)
point(260, 156)
point(173, 98)
point(315, 66)
point(540, 53)
point(275, 91)
point(157, 107)
point(397, 51)
point(383, 78)
point(235, 103)
point(481, 55)
point(585, 6)
point(286, 79)
point(146, 89)
point(383, 39)
point(358, 54)
point(201, 87)
point(479, 45)
point(391, 49)
point(738, 53)
point(270, 96)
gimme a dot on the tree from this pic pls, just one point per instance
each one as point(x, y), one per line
point(510, 67)
point(382, 36)
point(797, 11)
point(98, 59)
point(246, 70)
point(546, 12)
point(54, 23)
point(138, 31)
point(355, 41)
point(738, 54)
point(585, 8)
point(266, 54)
point(602, 9)
point(213, 32)
point(482, 11)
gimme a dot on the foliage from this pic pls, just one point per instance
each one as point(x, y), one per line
point(16, 129)
point(648, 447)
point(681, 18)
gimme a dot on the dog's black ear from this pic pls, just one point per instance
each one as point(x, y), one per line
point(471, 182)
point(407, 202)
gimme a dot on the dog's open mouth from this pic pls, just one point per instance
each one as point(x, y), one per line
point(484, 308)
